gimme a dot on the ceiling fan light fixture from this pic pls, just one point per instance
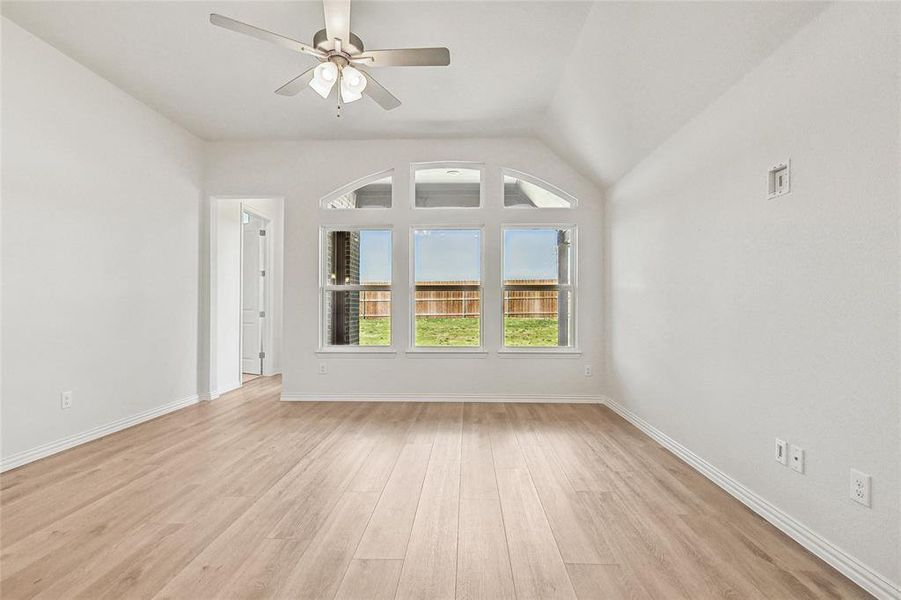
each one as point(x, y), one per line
point(353, 82)
point(336, 46)
point(324, 77)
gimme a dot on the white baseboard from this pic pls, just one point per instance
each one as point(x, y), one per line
point(45, 450)
point(228, 388)
point(843, 562)
point(586, 399)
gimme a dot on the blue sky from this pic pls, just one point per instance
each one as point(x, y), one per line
point(453, 254)
point(375, 256)
point(447, 254)
point(530, 254)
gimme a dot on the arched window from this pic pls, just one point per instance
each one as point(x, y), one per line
point(373, 191)
point(525, 191)
point(450, 264)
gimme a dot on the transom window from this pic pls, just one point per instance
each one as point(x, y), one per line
point(447, 185)
point(373, 191)
point(525, 191)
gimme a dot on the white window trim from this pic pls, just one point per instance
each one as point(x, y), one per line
point(358, 351)
point(573, 201)
point(355, 185)
point(573, 287)
point(326, 349)
point(447, 164)
point(539, 351)
point(412, 348)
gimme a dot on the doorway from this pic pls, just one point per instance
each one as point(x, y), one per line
point(233, 223)
point(254, 293)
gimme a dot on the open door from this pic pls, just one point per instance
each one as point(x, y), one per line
point(253, 297)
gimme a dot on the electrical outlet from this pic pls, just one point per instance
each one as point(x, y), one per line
point(588, 371)
point(860, 487)
point(781, 452)
point(323, 368)
point(797, 459)
point(65, 399)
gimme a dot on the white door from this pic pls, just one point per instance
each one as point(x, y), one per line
point(253, 295)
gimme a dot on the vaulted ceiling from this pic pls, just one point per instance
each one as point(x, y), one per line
point(601, 83)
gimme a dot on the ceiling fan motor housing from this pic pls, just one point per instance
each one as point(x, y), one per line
point(321, 42)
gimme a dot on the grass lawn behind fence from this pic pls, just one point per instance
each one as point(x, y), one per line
point(437, 331)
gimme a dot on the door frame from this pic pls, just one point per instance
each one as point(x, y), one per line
point(211, 316)
point(266, 327)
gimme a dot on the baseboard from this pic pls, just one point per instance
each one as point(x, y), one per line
point(229, 388)
point(23, 458)
point(843, 562)
point(577, 399)
point(212, 395)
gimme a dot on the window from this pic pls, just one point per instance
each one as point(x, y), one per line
point(525, 191)
point(449, 185)
point(447, 289)
point(538, 268)
point(356, 287)
point(370, 192)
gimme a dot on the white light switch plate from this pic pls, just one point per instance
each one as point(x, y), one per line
point(781, 454)
point(779, 180)
point(65, 399)
point(796, 459)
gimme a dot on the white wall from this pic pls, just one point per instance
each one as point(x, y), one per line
point(304, 172)
point(228, 270)
point(734, 319)
point(101, 209)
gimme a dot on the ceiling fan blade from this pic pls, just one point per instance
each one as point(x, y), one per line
point(297, 85)
point(406, 57)
point(382, 97)
point(337, 19)
point(262, 34)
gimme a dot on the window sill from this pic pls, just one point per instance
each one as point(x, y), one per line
point(447, 353)
point(539, 353)
point(361, 353)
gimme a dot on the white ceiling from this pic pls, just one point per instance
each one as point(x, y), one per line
point(220, 84)
point(603, 83)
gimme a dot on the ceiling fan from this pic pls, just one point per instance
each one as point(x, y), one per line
point(341, 58)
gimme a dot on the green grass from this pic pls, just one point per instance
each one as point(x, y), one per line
point(439, 331)
point(434, 331)
point(530, 332)
point(375, 332)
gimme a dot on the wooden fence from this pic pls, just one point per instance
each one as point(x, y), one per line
point(531, 304)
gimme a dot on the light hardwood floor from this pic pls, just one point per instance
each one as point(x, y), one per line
point(251, 497)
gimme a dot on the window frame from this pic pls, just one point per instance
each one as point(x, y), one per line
point(507, 172)
point(572, 288)
point(412, 348)
point(354, 186)
point(325, 286)
point(448, 164)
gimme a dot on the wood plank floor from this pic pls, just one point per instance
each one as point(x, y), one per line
point(249, 497)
